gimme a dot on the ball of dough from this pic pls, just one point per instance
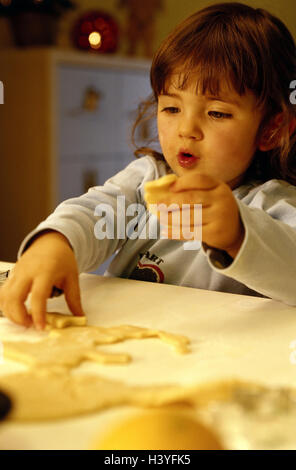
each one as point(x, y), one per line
point(161, 429)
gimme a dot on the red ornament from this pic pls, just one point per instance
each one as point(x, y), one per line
point(96, 31)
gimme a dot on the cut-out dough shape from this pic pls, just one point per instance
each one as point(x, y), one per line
point(69, 347)
point(156, 190)
point(58, 320)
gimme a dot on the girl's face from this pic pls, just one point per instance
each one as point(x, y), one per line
point(214, 135)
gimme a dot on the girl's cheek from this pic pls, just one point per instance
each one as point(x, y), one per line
point(162, 135)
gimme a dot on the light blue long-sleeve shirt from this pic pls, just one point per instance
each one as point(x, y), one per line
point(264, 266)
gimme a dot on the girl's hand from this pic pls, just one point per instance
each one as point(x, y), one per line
point(48, 262)
point(222, 227)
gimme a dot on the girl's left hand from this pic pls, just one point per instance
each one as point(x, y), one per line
point(222, 227)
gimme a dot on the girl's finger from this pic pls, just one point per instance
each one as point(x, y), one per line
point(41, 291)
point(185, 199)
point(72, 295)
point(194, 181)
point(18, 314)
point(185, 218)
point(183, 233)
point(13, 302)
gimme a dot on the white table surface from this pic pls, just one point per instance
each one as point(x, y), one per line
point(232, 336)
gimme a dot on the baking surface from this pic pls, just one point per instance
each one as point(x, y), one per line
point(232, 336)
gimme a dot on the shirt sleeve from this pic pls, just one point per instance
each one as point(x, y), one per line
point(266, 261)
point(76, 218)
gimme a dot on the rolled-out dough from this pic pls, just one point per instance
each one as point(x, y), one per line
point(50, 395)
point(48, 390)
point(43, 395)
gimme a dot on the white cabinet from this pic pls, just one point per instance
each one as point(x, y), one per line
point(94, 145)
point(52, 146)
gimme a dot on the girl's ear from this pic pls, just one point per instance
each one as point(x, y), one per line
point(271, 136)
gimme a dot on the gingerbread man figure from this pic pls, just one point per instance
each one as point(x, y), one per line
point(141, 24)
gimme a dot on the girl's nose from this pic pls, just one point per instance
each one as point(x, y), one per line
point(190, 129)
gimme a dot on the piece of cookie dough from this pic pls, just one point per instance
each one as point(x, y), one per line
point(69, 347)
point(59, 320)
point(156, 190)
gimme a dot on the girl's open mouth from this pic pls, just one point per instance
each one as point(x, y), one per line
point(186, 159)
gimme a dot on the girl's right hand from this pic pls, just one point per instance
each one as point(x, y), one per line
point(49, 261)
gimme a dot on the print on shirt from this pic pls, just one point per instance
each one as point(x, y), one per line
point(148, 271)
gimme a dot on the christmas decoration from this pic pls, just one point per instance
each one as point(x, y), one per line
point(96, 31)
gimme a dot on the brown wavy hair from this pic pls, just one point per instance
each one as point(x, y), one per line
point(254, 51)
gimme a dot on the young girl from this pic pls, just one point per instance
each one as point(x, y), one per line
point(221, 88)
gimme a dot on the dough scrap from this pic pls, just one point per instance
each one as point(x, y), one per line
point(69, 347)
point(156, 190)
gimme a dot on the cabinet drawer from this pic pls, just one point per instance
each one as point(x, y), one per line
point(76, 177)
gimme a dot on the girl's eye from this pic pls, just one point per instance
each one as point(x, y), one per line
point(219, 115)
point(170, 110)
